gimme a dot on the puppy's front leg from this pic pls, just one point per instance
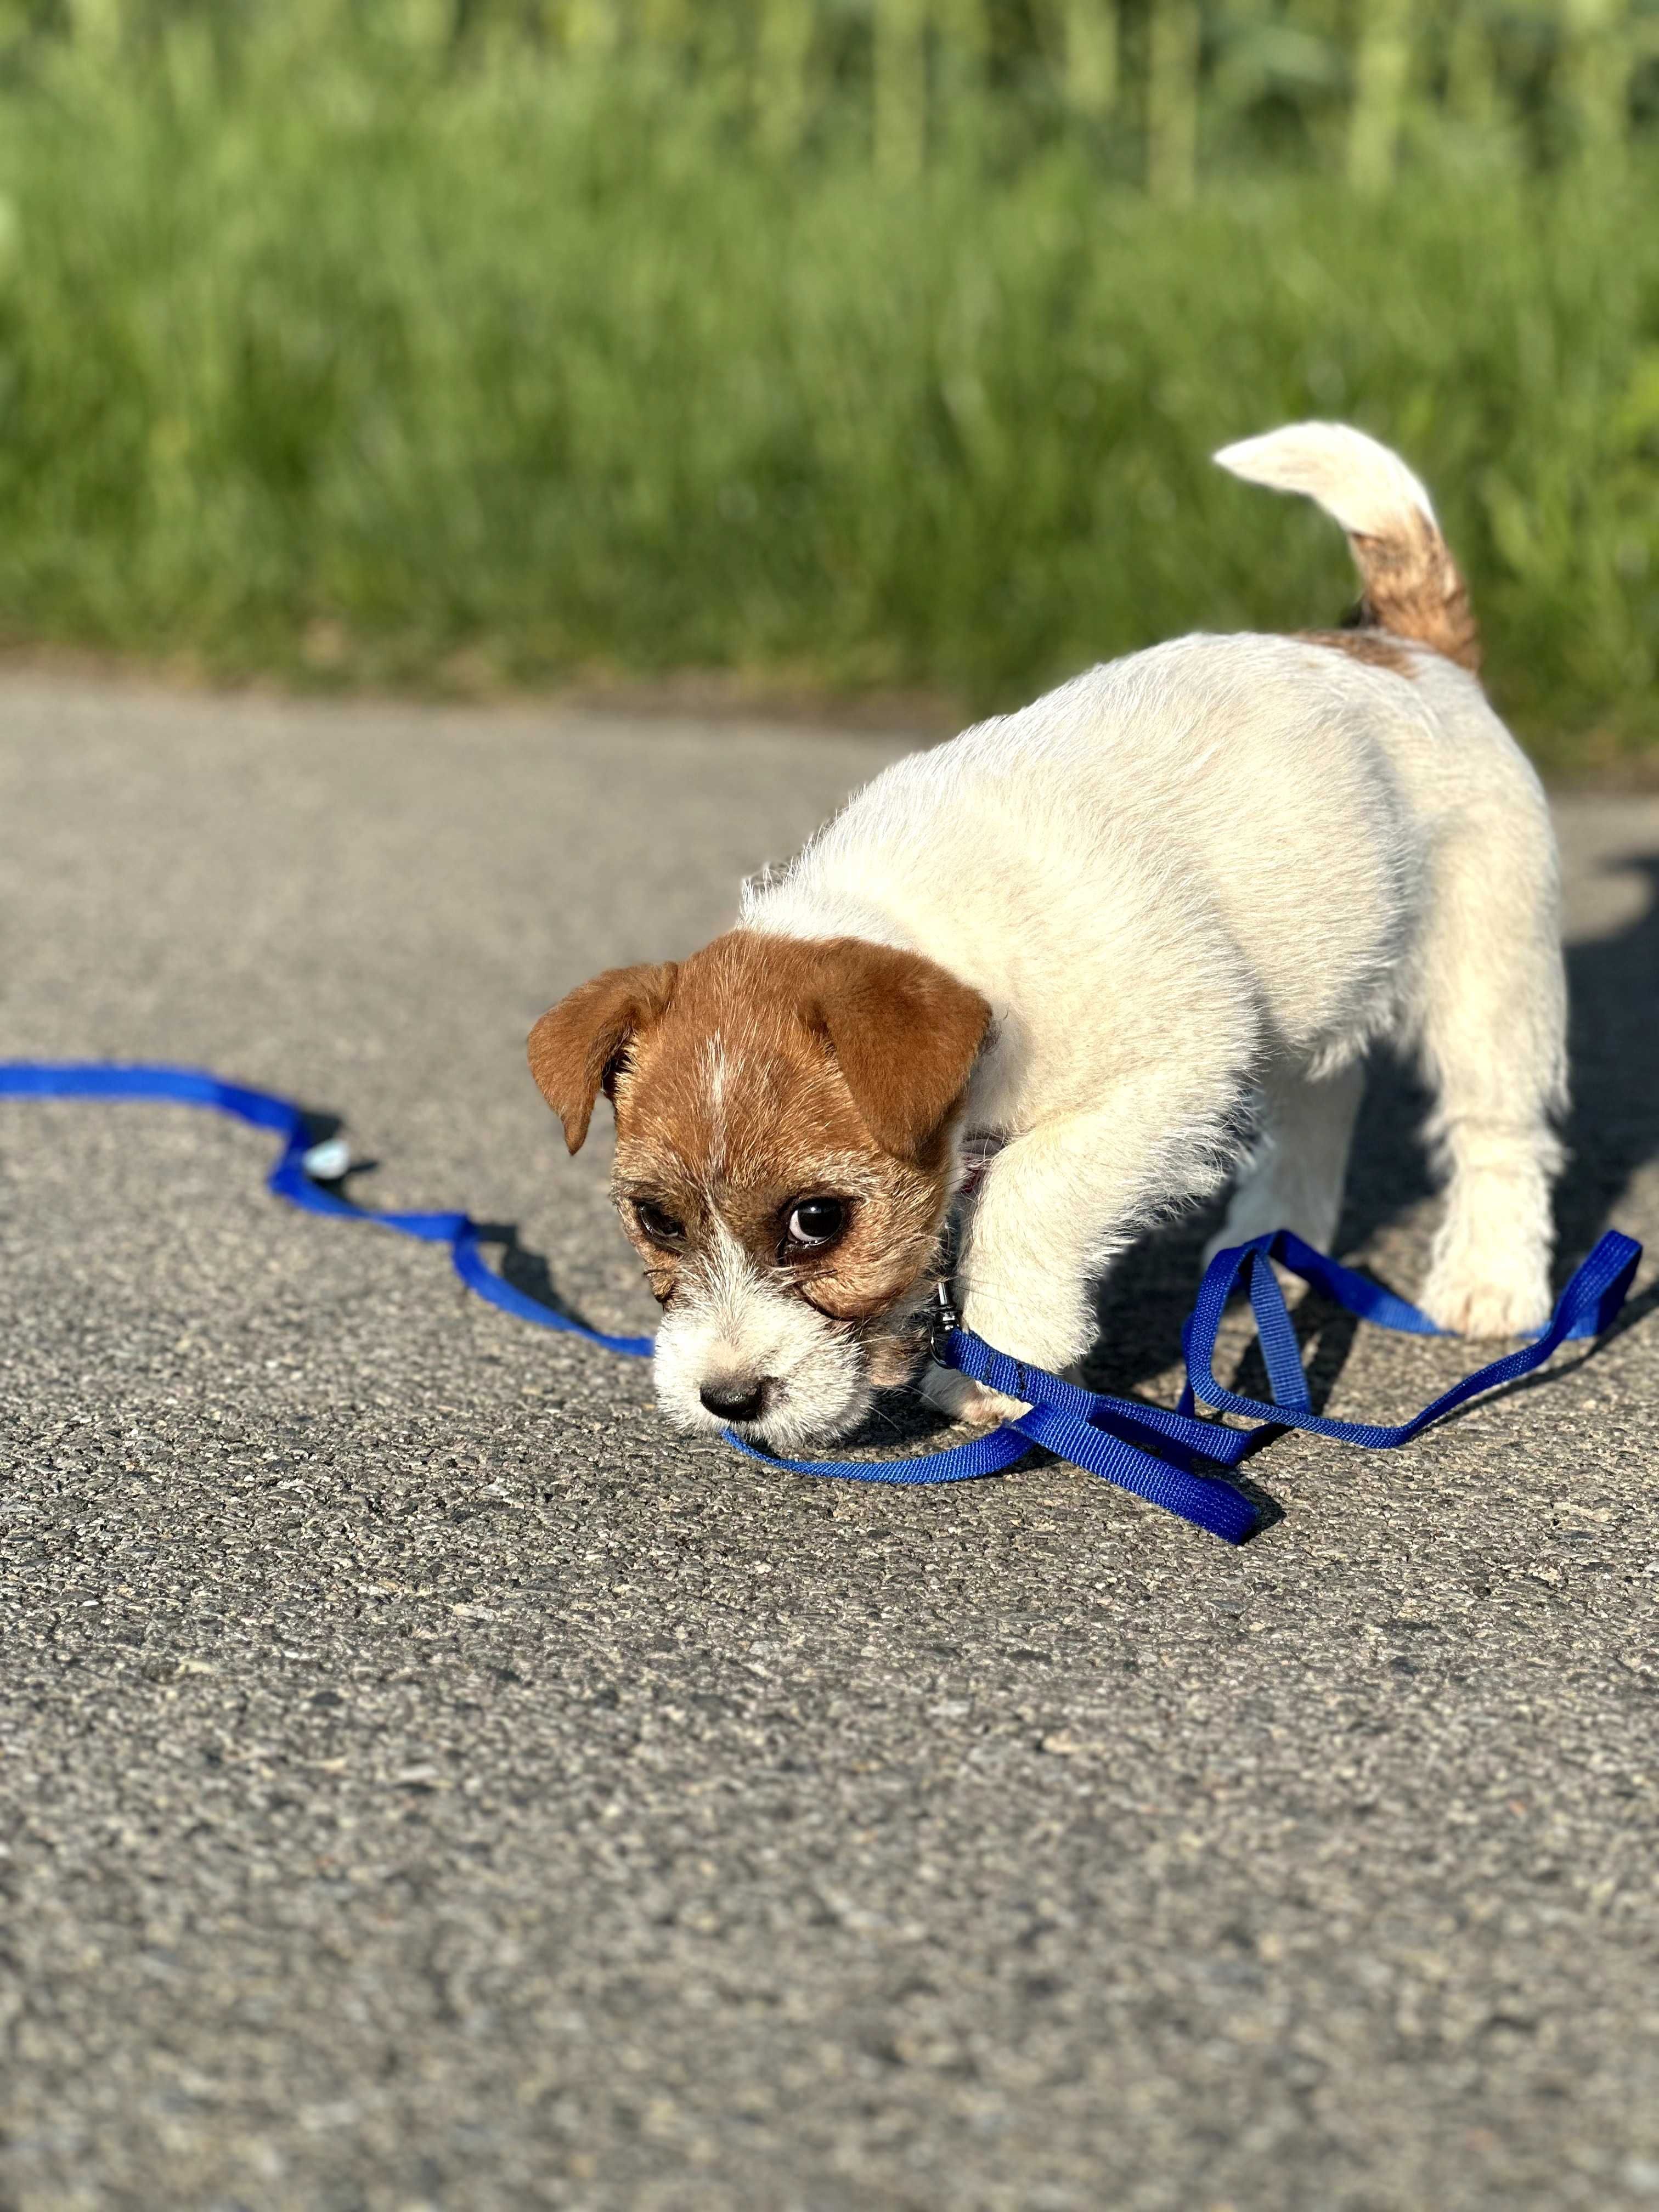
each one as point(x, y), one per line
point(1059, 1204)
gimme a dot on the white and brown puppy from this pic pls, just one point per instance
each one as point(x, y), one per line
point(1109, 948)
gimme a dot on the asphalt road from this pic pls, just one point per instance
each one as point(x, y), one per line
point(429, 1783)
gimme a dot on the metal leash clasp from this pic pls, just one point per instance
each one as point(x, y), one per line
point(945, 1319)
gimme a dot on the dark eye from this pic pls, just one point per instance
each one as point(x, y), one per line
point(659, 1223)
point(814, 1221)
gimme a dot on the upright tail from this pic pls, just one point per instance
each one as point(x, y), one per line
point(1411, 585)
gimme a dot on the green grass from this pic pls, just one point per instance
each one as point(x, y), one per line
point(366, 365)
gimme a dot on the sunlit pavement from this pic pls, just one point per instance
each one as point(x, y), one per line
point(429, 1782)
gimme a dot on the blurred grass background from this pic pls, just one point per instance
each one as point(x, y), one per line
point(459, 344)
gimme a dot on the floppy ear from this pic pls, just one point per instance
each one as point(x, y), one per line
point(905, 1032)
point(574, 1046)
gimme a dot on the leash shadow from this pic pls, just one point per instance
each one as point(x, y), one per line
point(527, 1270)
point(1633, 1312)
point(518, 1263)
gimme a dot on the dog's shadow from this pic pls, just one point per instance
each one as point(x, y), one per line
point(1612, 1133)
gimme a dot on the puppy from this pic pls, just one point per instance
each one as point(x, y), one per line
point(1064, 975)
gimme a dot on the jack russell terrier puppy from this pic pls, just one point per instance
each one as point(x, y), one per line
point(1065, 974)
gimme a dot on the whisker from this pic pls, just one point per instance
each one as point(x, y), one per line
point(886, 1419)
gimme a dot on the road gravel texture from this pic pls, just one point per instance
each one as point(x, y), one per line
point(427, 1782)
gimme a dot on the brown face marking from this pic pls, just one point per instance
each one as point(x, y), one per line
point(767, 1070)
point(1369, 646)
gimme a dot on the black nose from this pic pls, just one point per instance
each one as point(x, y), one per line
point(735, 1402)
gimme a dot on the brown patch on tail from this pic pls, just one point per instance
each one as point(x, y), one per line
point(1413, 589)
point(1373, 647)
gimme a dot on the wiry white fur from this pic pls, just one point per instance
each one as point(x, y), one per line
point(1195, 884)
point(1364, 486)
point(728, 1325)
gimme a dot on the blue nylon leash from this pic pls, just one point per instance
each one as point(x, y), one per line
point(1147, 1450)
point(288, 1178)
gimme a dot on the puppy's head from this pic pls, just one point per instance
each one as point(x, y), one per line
point(786, 1113)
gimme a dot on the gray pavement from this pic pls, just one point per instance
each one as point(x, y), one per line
point(429, 1783)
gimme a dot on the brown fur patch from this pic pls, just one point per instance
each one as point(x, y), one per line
point(766, 1070)
point(571, 1048)
point(1412, 587)
point(1369, 646)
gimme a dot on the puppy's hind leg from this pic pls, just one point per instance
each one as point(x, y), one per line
point(1294, 1181)
point(1493, 1042)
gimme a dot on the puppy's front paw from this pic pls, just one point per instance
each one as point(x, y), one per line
point(1482, 1307)
point(1487, 1280)
point(961, 1399)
